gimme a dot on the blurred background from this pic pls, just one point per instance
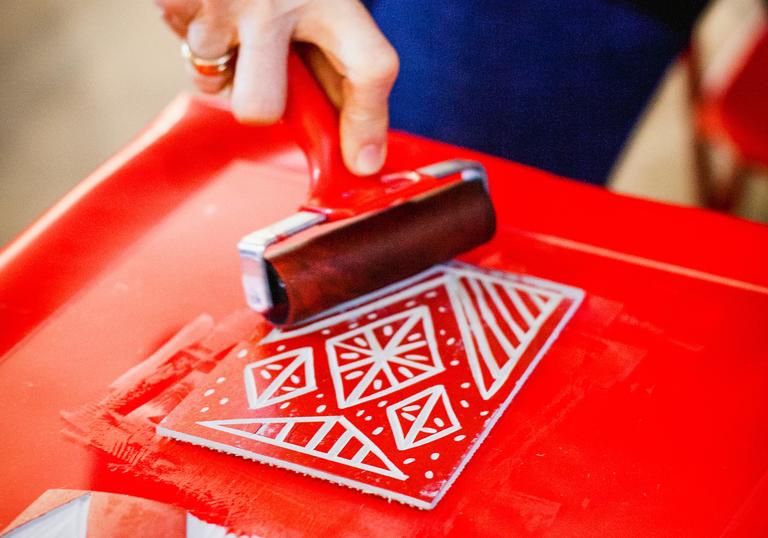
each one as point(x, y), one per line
point(84, 76)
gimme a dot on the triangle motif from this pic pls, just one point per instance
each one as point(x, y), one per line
point(498, 320)
point(331, 435)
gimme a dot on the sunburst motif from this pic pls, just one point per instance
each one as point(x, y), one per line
point(384, 356)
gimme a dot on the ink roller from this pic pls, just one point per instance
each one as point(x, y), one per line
point(354, 234)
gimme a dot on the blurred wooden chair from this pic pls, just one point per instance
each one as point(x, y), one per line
point(733, 117)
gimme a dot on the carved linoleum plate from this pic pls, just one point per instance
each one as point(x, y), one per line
point(390, 394)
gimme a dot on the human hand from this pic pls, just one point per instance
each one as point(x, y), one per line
point(352, 60)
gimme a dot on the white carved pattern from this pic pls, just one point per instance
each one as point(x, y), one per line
point(498, 320)
point(422, 418)
point(384, 356)
point(279, 378)
point(330, 437)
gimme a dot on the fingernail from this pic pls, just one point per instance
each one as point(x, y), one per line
point(369, 159)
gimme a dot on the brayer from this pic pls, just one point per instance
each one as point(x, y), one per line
point(357, 234)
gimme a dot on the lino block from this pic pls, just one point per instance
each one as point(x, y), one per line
point(391, 393)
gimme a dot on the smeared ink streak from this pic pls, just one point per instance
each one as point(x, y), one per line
point(122, 423)
point(189, 335)
point(214, 486)
point(196, 347)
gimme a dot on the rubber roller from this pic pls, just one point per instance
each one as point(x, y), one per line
point(357, 234)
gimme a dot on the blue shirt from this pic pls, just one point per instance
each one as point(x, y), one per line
point(554, 84)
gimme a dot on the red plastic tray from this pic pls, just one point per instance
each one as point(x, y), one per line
point(648, 417)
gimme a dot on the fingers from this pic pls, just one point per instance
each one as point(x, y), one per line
point(357, 68)
point(259, 89)
point(211, 34)
point(369, 64)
